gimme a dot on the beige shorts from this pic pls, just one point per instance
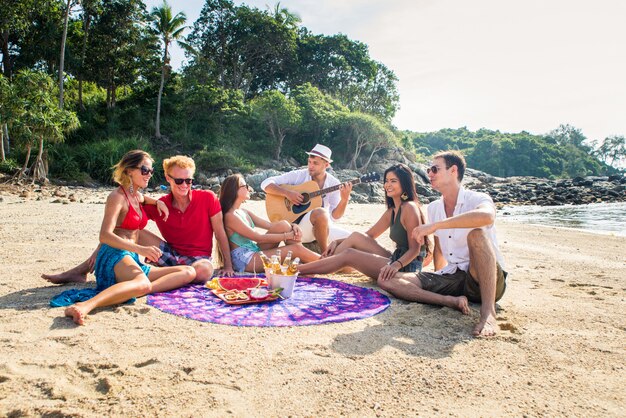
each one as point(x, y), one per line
point(460, 283)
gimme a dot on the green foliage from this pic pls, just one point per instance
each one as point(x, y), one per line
point(93, 160)
point(220, 159)
point(278, 114)
point(561, 153)
point(9, 166)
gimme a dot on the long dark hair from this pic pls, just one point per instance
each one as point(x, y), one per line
point(407, 182)
point(228, 191)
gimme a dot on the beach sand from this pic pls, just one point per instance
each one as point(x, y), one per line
point(561, 351)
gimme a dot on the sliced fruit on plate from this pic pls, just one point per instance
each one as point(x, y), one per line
point(259, 293)
point(238, 283)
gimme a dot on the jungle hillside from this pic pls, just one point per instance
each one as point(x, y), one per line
point(84, 81)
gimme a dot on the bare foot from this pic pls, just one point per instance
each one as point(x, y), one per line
point(486, 327)
point(459, 303)
point(77, 314)
point(69, 276)
point(463, 305)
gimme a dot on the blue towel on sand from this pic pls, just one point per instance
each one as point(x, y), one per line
point(70, 297)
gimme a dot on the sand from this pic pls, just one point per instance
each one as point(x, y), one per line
point(561, 351)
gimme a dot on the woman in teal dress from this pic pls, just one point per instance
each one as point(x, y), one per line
point(362, 252)
point(245, 242)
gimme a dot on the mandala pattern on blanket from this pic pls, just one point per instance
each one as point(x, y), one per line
point(314, 301)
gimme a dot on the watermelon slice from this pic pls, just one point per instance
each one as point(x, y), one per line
point(239, 283)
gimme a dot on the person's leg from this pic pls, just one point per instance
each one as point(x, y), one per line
point(337, 232)
point(277, 228)
point(204, 270)
point(408, 286)
point(77, 274)
point(483, 270)
point(132, 282)
point(367, 263)
point(168, 278)
point(320, 219)
point(362, 242)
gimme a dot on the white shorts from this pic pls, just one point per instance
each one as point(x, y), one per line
point(334, 231)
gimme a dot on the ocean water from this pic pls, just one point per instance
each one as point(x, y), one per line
point(602, 218)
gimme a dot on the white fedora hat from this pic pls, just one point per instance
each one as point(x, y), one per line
point(321, 151)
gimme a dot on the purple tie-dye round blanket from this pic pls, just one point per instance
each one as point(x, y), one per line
point(314, 301)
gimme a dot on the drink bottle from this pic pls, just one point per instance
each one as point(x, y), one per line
point(293, 267)
point(267, 263)
point(275, 265)
point(287, 259)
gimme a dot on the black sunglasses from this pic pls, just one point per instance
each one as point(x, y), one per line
point(434, 169)
point(180, 181)
point(145, 170)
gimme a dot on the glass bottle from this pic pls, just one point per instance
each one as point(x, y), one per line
point(293, 267)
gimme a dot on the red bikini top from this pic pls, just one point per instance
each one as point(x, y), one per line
point(132, 220)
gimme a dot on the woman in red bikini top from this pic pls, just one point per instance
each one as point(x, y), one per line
point(120, 275)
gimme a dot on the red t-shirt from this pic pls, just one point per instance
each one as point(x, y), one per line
point(189, 233)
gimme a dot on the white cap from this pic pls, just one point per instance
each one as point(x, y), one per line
point(321, 151)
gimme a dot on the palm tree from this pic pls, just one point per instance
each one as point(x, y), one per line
point(285, 16)
point(169, 28)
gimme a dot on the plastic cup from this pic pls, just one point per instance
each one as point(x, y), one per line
point(286, 282)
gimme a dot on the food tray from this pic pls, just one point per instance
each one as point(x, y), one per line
point(220, 294)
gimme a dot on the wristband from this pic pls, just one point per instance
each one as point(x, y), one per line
point(400, 262)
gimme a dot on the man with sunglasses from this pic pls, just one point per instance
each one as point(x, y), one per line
point(467, 261)
point(195, 216)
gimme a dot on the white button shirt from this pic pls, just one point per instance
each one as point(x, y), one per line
point(453, 242)
point(330, 200)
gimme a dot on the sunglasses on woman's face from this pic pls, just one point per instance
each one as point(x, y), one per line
point(181, 181)
point(435, 169)
point(145, 170)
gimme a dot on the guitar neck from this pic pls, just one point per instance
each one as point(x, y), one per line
point(331, 189)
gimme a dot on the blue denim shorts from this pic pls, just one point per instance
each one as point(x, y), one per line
point(240, 258)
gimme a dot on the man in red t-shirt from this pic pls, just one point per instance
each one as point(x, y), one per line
point(195, 216)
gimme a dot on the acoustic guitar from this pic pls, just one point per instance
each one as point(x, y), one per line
point(279, 207)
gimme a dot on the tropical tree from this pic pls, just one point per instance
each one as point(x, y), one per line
point(66, 16)
point(613, 151)
point(364, 134)
point(117, 45)
point(285, 16)
point(38, 118)
point(241, 48)
point(169, 28)
point(90, 9)
point(6, 99)
point(14, 21)
point(279, 114)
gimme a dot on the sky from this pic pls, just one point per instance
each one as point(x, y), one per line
point(504, 65)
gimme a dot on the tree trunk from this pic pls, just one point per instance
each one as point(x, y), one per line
point(38, 171)
point(2, 144)
point(62, 57)
point(5, 129)
point(6, 58)
point(157, 122)
point(83, 56)
point(25, 166)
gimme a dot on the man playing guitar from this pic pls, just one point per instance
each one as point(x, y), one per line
point(317, 224)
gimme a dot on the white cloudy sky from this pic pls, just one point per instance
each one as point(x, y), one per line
point(498, 64)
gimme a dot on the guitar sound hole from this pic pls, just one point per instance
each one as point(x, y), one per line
point(305, 198)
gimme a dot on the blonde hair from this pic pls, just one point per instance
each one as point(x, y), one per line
point(181, 161)
point(132, 159)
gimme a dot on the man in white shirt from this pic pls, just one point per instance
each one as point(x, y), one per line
point(467, 260)
point(318, 224)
